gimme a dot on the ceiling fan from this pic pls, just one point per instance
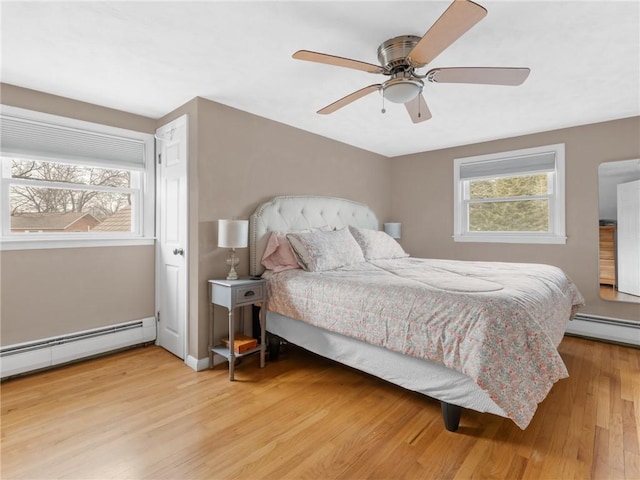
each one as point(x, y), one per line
point(401, 56)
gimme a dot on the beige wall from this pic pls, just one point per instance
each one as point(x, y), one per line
point(242, 161)
point(238, 161)
point(45, 293)
point(51, 292)
point(422, 199)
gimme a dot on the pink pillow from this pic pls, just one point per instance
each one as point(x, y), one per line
point(278, 255)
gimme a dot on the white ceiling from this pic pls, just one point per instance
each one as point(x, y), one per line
point(149, 58)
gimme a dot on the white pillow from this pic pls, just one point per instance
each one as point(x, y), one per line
point(376, 244)
point(320, 251)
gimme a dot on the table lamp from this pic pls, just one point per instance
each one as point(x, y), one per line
point(393, 229)
point(233, 234)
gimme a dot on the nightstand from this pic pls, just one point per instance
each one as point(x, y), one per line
point(232, 294)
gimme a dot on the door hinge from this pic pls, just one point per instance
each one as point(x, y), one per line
point(159, 158)
point(158, 317)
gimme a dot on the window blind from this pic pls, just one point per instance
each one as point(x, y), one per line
point(22, 137)
point(537, 163)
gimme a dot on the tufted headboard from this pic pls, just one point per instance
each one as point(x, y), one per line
point(299, 212)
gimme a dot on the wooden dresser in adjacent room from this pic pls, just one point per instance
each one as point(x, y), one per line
point(608, 255)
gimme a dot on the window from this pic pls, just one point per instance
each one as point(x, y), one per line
point(70, 183)
point(511, 197)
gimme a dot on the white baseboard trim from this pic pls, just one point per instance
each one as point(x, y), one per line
point(197, 364)
point(604, 328)
point(48, 352)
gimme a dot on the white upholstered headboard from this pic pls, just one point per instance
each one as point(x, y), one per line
point(299, 212)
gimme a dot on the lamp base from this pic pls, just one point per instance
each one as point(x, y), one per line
point(233, 262)
point(232, 275)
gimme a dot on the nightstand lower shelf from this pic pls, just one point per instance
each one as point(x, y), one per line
point(224, 352)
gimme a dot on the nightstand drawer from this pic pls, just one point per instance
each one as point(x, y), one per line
point(248, 294)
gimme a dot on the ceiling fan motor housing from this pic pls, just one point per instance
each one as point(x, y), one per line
point(393, 53)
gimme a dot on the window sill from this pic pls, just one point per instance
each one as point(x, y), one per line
point(7, 244)
point(515, 238)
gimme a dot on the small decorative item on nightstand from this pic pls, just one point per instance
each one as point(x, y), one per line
point(232, 294)
point(241, 343)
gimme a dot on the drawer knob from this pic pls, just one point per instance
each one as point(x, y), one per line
point(249, 293)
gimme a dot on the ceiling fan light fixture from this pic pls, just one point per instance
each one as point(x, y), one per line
point(401, 90)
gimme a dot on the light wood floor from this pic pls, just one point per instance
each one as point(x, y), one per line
point(609, 292)
point(144, 414)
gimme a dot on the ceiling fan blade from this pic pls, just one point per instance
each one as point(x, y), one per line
point(480, 75)
point(452, 24)
point(418, 110)
point(352, 97)
point(337, 61)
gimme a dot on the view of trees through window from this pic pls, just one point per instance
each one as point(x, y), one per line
point(509, 204)
point(51, 196)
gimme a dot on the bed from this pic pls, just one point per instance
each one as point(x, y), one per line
point(474, 335)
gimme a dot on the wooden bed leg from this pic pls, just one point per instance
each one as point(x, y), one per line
point(451, 416)
point(273, 343)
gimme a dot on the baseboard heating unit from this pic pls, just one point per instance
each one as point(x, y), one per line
point(48, 352)
point(604, 328)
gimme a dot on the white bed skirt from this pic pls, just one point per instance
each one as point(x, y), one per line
point(428, 378)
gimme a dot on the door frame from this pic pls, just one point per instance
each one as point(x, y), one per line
point(161, 133)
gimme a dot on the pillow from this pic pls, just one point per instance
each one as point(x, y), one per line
point(376, 244)
point(325, 250)
point(278, 255)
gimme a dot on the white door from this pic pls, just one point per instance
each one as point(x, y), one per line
point(628, 232)
point(172, 254)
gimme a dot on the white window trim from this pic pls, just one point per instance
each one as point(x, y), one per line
point(69, 240)
point(557, 212)
point(52, 243)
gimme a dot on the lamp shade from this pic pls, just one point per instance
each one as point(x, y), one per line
point(393, 229)
point(233, 233)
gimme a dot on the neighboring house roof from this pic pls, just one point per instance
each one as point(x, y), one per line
point(118, 222)
point(48, 221)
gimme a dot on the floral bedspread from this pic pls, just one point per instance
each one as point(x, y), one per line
point(498, 323)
